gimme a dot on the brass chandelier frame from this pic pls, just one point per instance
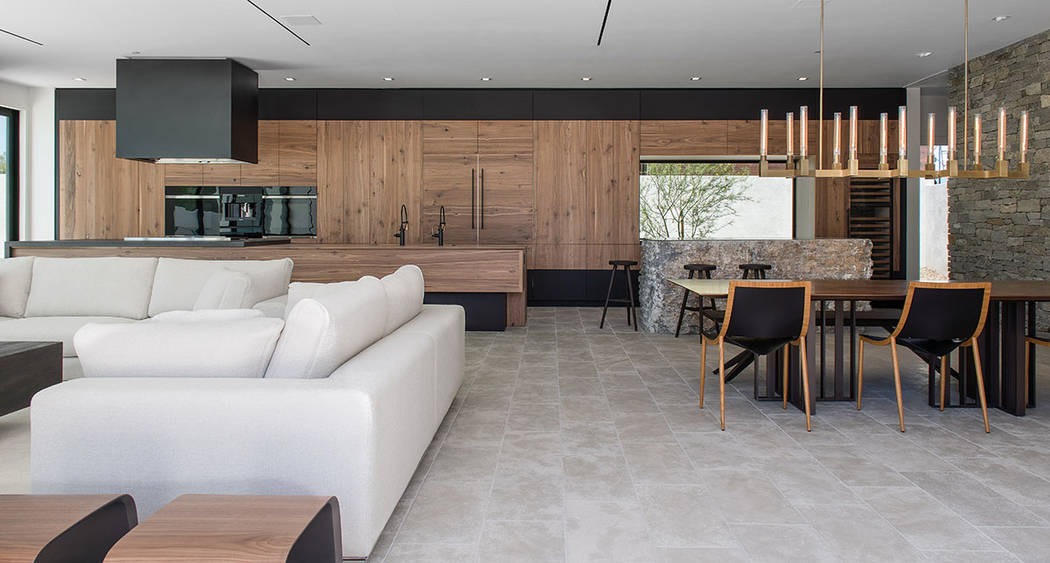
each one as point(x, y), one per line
point(805, 165)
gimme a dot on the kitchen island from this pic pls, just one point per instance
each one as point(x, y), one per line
point(489, 281)
point(791, 259)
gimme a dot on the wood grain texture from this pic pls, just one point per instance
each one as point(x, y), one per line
point(685, 138)
point(265, 171)
point(183, 174)
point(506, 199)
point(29, 523)
point(562, 198)
point(454, 269)
point(450, 137)
point(598, 255)
point(505, 137)
point(297, 153)
point(447, 181)
point(151, 199)
point(28, 367)
point(224, 528)
point(98, 192)
point(612, 181)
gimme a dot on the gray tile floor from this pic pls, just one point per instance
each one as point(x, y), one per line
point(570, 443)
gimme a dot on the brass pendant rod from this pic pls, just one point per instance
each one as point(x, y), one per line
point(820, 108)
point(966, 83)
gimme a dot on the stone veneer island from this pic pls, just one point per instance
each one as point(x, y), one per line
point(660, 301)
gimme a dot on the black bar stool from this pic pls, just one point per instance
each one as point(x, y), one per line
point(631, 313)
point(704, 272)
point(754, 271)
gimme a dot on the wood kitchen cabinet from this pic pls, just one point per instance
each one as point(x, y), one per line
point(482, 173)
point(264, 172)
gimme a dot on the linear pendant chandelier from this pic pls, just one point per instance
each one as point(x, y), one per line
point(803, 165)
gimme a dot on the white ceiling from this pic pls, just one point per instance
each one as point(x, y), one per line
point(519, 43)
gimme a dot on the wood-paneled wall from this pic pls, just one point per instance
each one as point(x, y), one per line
point(366, 171)
point(586, 194)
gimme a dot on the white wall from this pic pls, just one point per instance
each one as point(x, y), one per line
point(36, 164)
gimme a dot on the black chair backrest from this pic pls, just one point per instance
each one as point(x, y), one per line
point(944, 312)
point(767, 312)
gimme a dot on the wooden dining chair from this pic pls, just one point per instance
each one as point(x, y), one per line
point(938, 318)
point(761, 317)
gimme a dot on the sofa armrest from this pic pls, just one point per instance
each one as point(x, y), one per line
point(273, 307)
point(358, 435)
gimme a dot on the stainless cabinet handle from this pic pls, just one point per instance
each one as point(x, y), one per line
point(482, 198)
point(473, 210)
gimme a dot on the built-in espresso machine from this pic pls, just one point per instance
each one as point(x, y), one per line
point(241, 211)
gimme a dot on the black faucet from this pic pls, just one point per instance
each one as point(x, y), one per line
point(440, 234)
point(400, 234)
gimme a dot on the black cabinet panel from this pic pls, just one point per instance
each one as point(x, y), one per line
point(484, 311)
point(477, 104)
point(288, 103)
point(585, 104)
point(567, 288)
point(369, 104)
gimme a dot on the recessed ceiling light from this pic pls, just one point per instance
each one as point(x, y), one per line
point(80, 79)
point(585, 78)
point(923, 54)
point(486, 78)
point(998, 19)
point(803, 78)
point(388, 78)
point(290, 78)
point(136, 52)
point(694, 78)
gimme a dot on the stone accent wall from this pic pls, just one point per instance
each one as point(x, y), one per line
point(843, 259)
point(1001, 228)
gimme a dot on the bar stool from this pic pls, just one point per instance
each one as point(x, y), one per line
point(704, 272)
point(616, 265)
point(754, 271)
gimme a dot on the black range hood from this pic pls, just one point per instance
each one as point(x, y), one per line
point(187, 111)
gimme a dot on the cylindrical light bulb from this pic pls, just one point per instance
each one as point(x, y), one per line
point(803, 130)
point(902, 132)
point(853, 132)
point(1001, 133)
point(836, 152)
point(1024, 136)
point(951, 132)
point(977, 139)
point(763, 131)
point(884, 136)
point(929, 137)
point(790, 134)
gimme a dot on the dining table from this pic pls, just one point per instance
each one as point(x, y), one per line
point(840, 312)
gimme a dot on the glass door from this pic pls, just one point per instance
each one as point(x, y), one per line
point(8, 174)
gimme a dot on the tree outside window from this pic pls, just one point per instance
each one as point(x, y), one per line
point(689, 200)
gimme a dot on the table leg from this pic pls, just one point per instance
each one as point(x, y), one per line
point(840, 356)
point(1032, 329)
point(795, 395)
point(1012, 398)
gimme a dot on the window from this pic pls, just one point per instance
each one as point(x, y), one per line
point(8, 174)
point(713, 200)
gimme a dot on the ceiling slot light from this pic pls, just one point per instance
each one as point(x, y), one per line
point(585, 78)
point(804, 165)
point(694, 78)
point(486, 78)
point(301, 20)
point(803, 78)
point(80, 79)
point(290, 78)
point(923, 54)
point(999, 19)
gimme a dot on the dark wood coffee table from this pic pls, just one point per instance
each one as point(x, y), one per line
point(224, 528)
point(25, 368)
point(62, 528)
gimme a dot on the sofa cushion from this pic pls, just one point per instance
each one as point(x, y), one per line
point(404, 296)
point(15, 275)
point(178, 282)
point(232, 348)
point(205, 316)
point(323, 332)
point(297, 291)
point(51, 329)
point(225, 289)
point(110, 287)
point(273, 307)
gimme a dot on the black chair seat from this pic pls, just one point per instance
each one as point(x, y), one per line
point(929, 346)
point(755, 267)
point(623, 263)
point(700, 267)
point(759, 346)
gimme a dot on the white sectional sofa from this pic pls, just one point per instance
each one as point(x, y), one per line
point(49, 299)
point(351, 396)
